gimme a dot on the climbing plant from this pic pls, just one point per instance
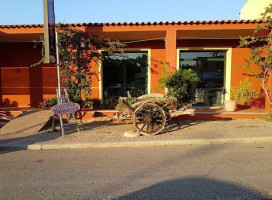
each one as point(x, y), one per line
point(79, 53)
point(260, 62)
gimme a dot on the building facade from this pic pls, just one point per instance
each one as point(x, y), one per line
point(208, 47)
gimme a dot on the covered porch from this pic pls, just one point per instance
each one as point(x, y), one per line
point(162, 41)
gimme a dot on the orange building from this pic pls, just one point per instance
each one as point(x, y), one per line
point(209, 47)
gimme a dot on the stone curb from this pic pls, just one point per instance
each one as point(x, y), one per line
point(137, 144)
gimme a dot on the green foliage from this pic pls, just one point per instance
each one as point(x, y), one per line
point(110, 102)
point(87, 103)
point(167, 72)
point(260, 62)
point(78, 51)
point(121, 106)
point(178, 82)
point(267, 117)
point(244, 93)
point(49, 102)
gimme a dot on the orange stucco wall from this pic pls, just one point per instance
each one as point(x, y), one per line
point(21, 84)
point(239, 72)
point(157, 58)
point(25, 86)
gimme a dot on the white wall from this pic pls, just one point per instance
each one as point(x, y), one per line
point(253, 9)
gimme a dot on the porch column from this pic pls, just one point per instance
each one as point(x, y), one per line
point(171, 47)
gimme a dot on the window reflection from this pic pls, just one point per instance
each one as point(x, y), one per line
point(124, 72)
point(209, 65)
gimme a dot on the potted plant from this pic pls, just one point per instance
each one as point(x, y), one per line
point(241, 94)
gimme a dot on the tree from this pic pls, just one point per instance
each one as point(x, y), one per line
point(260, 62)
point(79, 52)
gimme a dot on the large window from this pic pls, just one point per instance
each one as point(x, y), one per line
point(210, 67)
point(124, 72)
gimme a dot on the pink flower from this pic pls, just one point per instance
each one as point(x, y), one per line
point(93, 47)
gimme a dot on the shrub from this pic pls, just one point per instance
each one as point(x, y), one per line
point(178, 82)
point(244, 93)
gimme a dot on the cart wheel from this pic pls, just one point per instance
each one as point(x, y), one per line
point(149, 119)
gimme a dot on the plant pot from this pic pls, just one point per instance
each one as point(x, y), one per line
point(230, 106)
point(165, 90)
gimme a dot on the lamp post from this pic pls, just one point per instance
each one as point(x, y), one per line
point(58, 64)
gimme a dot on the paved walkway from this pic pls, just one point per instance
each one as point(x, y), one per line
point(107, 134)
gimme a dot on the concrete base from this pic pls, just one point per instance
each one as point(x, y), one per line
point(132, 134)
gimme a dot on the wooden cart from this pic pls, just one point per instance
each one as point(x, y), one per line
point(152, 111)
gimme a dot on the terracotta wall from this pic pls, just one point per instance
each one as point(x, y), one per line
point(95, 81)
point(25, 86)
point(22, 85)
point(239, 72)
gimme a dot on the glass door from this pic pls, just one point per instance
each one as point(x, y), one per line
point(210, 68)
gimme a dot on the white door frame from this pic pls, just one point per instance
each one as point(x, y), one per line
point(100, 70)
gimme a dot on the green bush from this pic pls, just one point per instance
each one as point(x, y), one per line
point(244, 93)
point(178, 82)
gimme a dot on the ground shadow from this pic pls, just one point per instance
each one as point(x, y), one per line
point(170, 126)
point(183, 124)
point(178, 125)
point(97, 125)
point(195, 188)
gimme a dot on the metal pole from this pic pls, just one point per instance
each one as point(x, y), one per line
point(58, 64)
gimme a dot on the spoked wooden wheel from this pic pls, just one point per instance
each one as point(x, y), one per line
point(149, 119)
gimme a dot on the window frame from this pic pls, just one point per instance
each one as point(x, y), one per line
point(100, 71)
point(227, 68)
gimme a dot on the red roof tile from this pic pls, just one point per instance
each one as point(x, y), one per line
point(139, 23)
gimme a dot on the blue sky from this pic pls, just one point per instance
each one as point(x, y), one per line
point(73, 11)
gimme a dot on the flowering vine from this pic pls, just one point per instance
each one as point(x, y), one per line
point(79, 53)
